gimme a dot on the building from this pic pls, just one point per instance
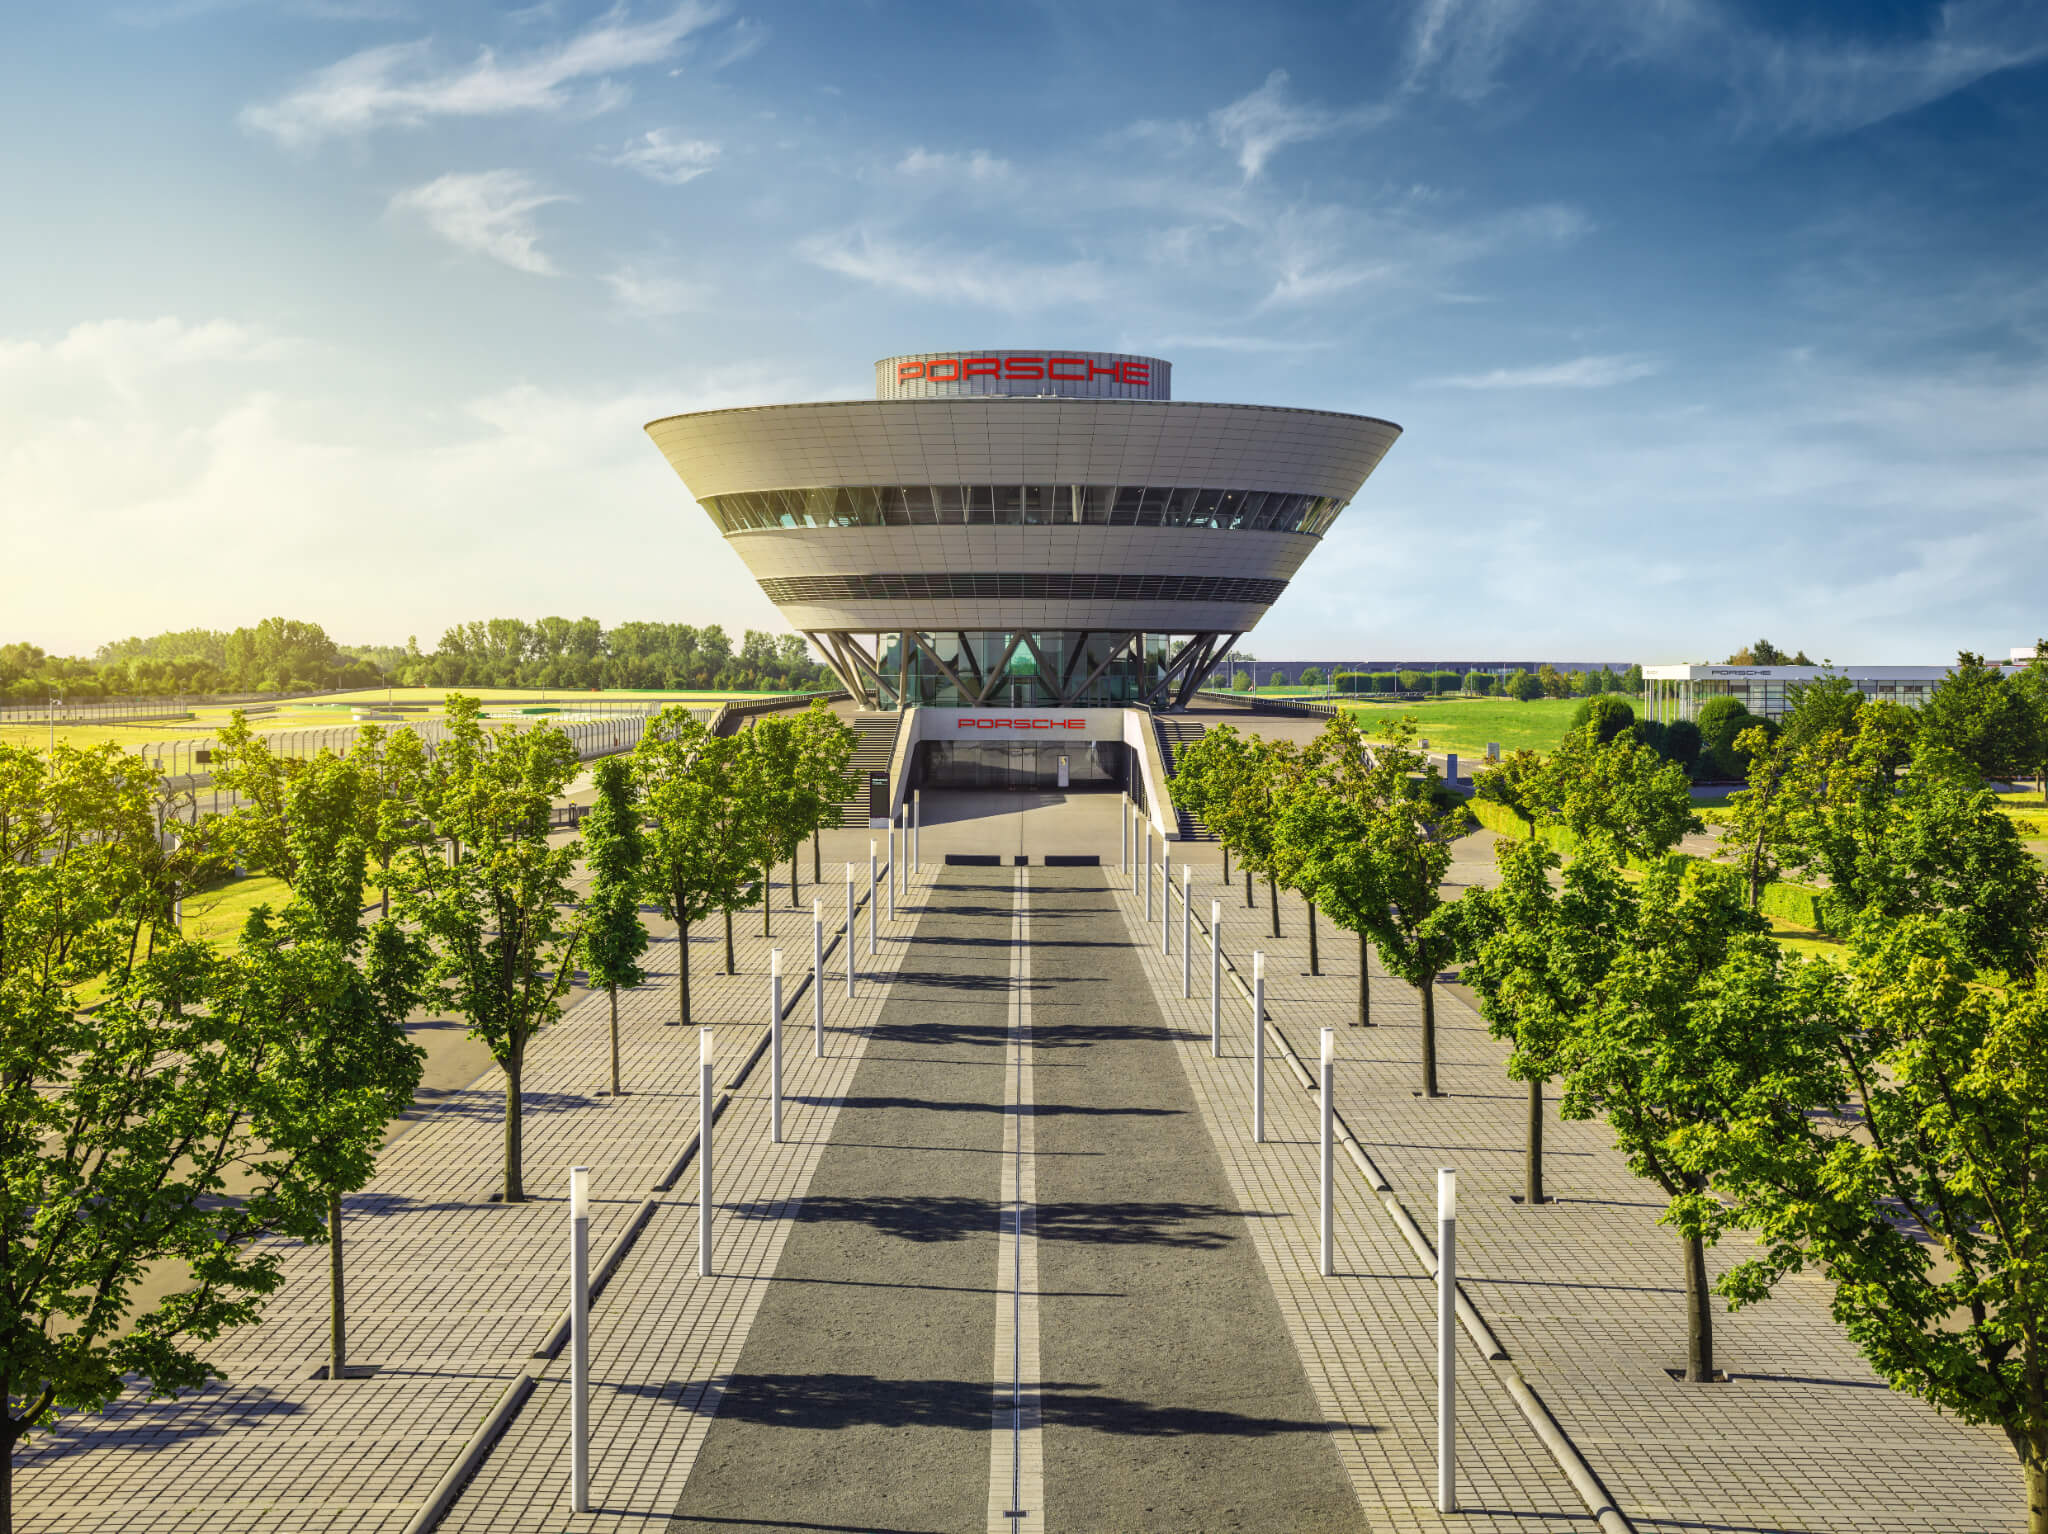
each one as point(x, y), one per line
point(1022, 529)
point(1679, 692)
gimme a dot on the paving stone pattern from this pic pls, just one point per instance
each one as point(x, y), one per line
point(450, 1294)
point(1586, 1293)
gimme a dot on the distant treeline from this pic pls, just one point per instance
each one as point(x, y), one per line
point(290, 655)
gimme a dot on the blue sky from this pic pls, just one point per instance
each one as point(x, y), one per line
point(1702, 322)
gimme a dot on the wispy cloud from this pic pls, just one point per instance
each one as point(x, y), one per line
point(487, 212)
point(123, 353)
point(654, 295)
point(1250, 345)
point(399, 85)
point(952, 275)
point(1256, 126)
point(661, 156)
point(977, 165)
point(1578, 373)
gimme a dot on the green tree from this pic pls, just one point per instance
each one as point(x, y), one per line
point(1607, 716)
point(1812, 709)
point(499, 912)
point(1620, 796)
point(1321, 822)
point(1720, 721)
point(1512, 783)
point(1552, 681)
point(1234, 779)
point(2031, 685)
point(825, 747)
point(700, 854)
point(614, 935)
point(1241, 682)
point(1926, 1204)
point(1312, 676)
point(1524, 687)
point(1410, 837)
point(1689, 1019)
point(1989, 723)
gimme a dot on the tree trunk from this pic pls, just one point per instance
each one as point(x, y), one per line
point(2035, 1468)
point(1315, 963)
point(515, 1186)
point(1364, 985)
point(792, 880)
point(337, 1318)
point(728, 943)
point(1249, 904)
point(1226, 862)
point(1273, 899)
point(1699, 1314)
point(384, 896)
point(1532, 1159)
point(767, 902)
point(1428, 990)
point(816, 876)
point(615, 1039)
point(683, 973)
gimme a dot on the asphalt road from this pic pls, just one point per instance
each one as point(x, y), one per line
point(1171, 1396)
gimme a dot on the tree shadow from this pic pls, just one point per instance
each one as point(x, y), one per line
point(490, 1103)
point(131, 1422)
point(830, 1402)
point(943, 1105)
point(953, 1217)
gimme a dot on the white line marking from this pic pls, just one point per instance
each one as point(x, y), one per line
point(1016, 1480)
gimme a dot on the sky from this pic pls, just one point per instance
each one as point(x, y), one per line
point(1704, 319)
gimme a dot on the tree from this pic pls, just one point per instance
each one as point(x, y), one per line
point(700, 854)
point(1321, 827)
point(1480, 683)
point(1241, 682)
point(1552, 681)
point(825, 756)
point(1235, 779)
point(1926, 1204)
point(614, 935)
point(1688, 1020)
point(1620, 796)
point(1512, 784)
point(498, 913)
point(1976, 714)
point(1682, 743)
point(1720, 721)
point(2031, 685)
point(1607, 716)
point(1814, 708)
point(1312, 676)
point(1524, 687)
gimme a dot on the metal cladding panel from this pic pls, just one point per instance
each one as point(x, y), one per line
point(800, 551)
point(1150, 617)
point(1023, 441)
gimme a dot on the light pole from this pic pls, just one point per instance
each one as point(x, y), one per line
point(818, 978)
point(775, 1046)
point(706, 1049)
point(1446, 1339)
point(874, 895)
point(1187, 932)
point(1215, 978)
point(1329, 1115)
point(1259, 1047)
point(849, 932)
point(1166, 899)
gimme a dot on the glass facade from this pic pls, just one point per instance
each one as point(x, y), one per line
point(1033, 672)
point(1279, 511)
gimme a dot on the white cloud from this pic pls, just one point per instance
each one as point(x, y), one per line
point(1254, 127)
point(979, 165)
point(125, 354)
point(654, 295)
point(660, 156)
point(397, 85)
point(1578, 373)
point(951, 275)
point(487, 212)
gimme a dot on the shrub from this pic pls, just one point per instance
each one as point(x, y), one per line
point(1608, 716)
point(1720, 721)
point(1443, 681)
point(1682, 743)
point(1385, 681)
point(1411, 681)
point(1480, 682)
point(1311, 676)
point(1523, 686)
point(1353, 681)
point(1276, 679)
point(1242, 682)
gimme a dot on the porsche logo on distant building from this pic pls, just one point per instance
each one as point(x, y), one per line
point(1017, 369)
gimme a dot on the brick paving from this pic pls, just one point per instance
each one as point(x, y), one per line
point(450, 1294)
point(1586, 1293)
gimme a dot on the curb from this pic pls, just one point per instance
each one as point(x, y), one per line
point(473, 1454)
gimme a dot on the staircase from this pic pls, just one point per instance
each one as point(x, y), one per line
point(875, 753)
point(1174, 733)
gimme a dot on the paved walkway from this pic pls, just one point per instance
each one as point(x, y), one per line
point(1586, 1293)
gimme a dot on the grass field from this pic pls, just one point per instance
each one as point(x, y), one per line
point(1468, 725)
point(326, 713)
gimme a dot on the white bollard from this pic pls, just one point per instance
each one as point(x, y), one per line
point(1215, 978)
point(705, 1052)
point(818, 977)
point(775, 1046)
point(1166, 899)
point(916, 825)
point(1329, 1140)
point(1259, 1047)
point(849, 932)
point(1187, 932)
point(1446, 1339)
point(579, 1339)
point(1148, 873)
point(1123, 844)
point(874, 896)
point(1136, 854)
point(892, 870)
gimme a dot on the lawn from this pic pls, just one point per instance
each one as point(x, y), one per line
point(1468, 725)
